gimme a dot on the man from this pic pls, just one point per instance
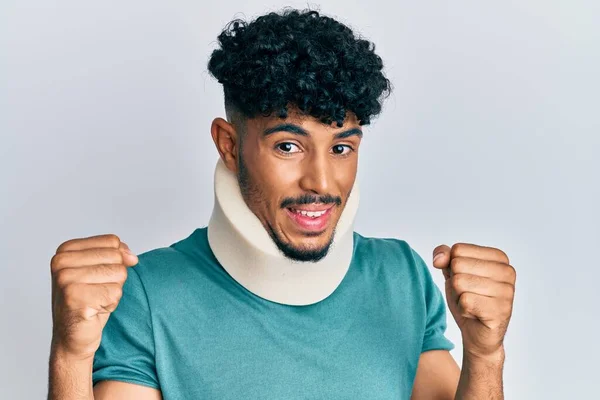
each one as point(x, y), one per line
point(279, 298)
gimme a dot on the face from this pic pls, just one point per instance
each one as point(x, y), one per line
point(296, 175)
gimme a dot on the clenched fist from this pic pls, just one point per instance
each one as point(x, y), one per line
point(87, 280)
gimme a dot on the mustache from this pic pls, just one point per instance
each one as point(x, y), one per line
point(310, 199)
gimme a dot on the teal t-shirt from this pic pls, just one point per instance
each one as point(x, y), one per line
point(184, 326)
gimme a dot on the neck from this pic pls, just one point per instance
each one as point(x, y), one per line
point(245, 250)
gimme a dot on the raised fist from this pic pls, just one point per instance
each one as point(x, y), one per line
point(87, 281)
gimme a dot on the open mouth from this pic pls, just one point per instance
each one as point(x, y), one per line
point(313, 219)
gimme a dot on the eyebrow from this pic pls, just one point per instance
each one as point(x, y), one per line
point(297, 130)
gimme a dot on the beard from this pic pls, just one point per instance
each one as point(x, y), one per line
point(300, 254)
point(252, 194)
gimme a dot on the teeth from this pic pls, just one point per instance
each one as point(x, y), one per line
point(312, 214)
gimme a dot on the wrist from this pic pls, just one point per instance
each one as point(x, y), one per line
point(59, 353)
point(481, 376)
point(70, 375)
point(490, 359)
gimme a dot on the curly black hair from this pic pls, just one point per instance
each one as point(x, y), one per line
point(298, 58)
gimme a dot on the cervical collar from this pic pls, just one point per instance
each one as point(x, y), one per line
point(245, 250)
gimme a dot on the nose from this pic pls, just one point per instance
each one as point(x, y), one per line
point(317, 176)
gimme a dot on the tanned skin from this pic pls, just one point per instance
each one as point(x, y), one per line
point(283, 164)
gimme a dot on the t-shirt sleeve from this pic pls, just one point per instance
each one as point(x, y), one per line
point(126, 351)
point(435, 327)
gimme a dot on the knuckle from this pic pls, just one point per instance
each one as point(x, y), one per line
point(466, 301)
point(456, 249)
point(71, 295)
point(56, 262)
point(116, 255)
point(121, 274)
point(119, 255)
point(504, 256)
point(62, 278)
point(512, 272)
point(65, 245)
point(454, 264)
point(457, 281)
point(114, 240)
point(510, 291)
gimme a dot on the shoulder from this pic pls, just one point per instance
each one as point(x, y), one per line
point(386, 247)
point(175, 261)
point(383, 245)
point(393, 251)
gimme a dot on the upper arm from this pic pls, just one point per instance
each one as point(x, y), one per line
point(437, 376)
point(127, 349)
point(116, 390)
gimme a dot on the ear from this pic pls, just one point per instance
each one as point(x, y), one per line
point(226, 140)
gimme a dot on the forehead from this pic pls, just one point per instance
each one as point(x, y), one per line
point(307, 123)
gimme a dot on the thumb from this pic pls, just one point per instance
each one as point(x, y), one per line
point(441, 259)
point(129, 258)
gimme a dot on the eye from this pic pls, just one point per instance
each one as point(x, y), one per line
point(287, 148)
point(339, 149)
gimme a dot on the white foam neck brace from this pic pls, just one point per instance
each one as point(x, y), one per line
point(243, 247)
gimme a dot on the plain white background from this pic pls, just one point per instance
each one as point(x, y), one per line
point(490, 137)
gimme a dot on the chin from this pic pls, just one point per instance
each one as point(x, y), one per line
point(306, 248)
point(303, 253)
point(310, 244)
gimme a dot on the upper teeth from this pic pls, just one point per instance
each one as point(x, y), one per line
point(311, 213)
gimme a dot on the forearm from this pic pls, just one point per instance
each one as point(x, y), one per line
point(481, 378)
point(70, 379)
